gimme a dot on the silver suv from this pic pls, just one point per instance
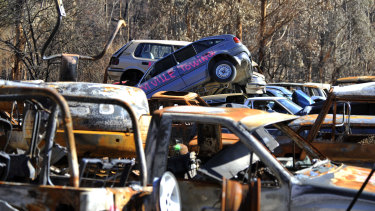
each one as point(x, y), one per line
point(133, 59)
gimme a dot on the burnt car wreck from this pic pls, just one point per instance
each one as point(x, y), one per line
point(196, 157)
point(87, 146)
point(344, 128)
point(31, 175)
point(209, 168)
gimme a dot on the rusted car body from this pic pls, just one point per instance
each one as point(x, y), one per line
point(101, 129)
point(345, 126)
point(354, 80)
point(30, 180)
point(164, 99)
point(204, 171)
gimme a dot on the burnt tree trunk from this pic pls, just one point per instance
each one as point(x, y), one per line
point(239, 21)
point(19, 41)
point(262, 28)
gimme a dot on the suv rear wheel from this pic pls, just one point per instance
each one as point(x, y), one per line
point(223, 71)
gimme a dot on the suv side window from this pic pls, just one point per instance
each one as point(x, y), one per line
point(185, 53)
point(176, 47)
point(162, 65)
point(152, 51)
point(205, 44)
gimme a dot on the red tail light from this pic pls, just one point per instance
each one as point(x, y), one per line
point(236, 40)
point(114, 61)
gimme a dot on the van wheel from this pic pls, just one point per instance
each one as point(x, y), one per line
point(223, 71)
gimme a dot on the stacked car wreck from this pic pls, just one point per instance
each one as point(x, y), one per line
point(87, 146)
point(216, 154)
point(34, 179)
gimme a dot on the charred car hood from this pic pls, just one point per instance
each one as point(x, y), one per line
point(252, 118)
point(340, 176)
point(132, 95)
point(95, 116)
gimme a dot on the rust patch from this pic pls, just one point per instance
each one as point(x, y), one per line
point(110, 89)
point(353, 178)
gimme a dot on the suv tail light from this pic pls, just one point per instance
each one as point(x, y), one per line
point(114, 61)
point(236, 40)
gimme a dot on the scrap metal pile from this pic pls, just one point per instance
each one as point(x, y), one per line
point(86, 146)
point(246, 145)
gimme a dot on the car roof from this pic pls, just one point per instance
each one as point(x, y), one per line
point(286, 83)
point(364, 89)
point(358, 120)
point(222, 36)
point(311, 85)
point(252, 118)
point(356, 79)
point(267, 98)
point(168, 42)
point(221, 96)
point(319, 85)
point(277, 87)
point(134, 96)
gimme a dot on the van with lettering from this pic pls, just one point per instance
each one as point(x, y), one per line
point(222, 59)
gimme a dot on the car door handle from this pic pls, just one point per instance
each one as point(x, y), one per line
point(145, 63)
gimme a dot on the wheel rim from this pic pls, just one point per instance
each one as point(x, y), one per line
point(223, 71)
point(169, 196)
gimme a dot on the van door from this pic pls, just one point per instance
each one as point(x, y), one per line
point(192, 65)
point(193, 61)
point(162, 76)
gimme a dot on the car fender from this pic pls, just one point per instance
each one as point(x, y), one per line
point(241, 57)
point(223, 55)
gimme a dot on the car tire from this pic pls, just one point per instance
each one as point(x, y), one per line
point(168, 193)
point(223, 71)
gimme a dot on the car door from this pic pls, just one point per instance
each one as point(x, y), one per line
point(162, 76)
point(193, 61)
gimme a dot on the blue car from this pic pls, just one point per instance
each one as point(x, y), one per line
point(302, 99)
point(221, 59)
point(278, 91)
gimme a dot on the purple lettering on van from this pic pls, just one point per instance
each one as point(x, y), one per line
point(210, 53)
point(145, 86)
point(204, 58)
point(164, 77)
point(154, 82)
point(170, 73)
point(196, 63)
point(182, 67)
